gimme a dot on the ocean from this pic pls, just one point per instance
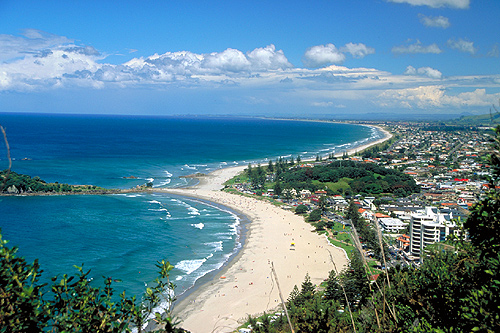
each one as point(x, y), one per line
point(123, 236)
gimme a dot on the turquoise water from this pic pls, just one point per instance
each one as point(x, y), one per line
point(122, 236)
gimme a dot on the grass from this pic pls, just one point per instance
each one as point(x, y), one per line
point(348, 248)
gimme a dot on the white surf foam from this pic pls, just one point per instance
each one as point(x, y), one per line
point(198, 225)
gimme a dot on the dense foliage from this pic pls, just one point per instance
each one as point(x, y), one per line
point(368, 178)
point(72, 303)
point(18, 183)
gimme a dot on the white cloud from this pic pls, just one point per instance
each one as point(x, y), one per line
point(425, 71)
point(416, 47)
point(434, 21)
point(357, 50)
point(462, 45)
point(323, 104)
point(31, 42)
point(267, 58)
point(321, 55)
point(230, 60)
point(459, 4)
point(435, 96)
point(45, 61)
point(494, 52)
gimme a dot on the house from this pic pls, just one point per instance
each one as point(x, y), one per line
point(403, 242)
point(366, 213)
point(390, 224)
point(305, 193)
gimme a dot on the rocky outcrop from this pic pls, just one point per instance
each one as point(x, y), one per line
point(12, 190)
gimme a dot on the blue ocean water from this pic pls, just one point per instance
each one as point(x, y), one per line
point(122, 236)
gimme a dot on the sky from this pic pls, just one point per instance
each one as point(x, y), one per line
point(271, 58)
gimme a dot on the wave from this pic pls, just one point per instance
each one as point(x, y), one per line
point(193, 211)
point(189, 266)
point(154, 201)
point(163, 183)
point(217, 246)
point(158, 210)
point(198, 225)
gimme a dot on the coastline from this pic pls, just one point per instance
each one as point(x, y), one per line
point(245, 285)
point(249, 268)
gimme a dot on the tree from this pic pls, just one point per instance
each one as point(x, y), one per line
point(333, 290)
point(270, 166)
point(306, 293)
point(301, 209)
point(314, 216)
point(322, 203)
point(278, 189)
point(71, 304)
point(21, 307)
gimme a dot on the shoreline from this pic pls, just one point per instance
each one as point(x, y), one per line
point(249, 286)
point(220, 301)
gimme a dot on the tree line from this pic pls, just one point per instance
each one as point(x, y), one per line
point(20, 183)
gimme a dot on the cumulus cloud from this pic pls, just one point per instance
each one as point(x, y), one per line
point(462, 45)
point(434, 21)
point(357, 50)
point(321, 55)
point(44, 61)
point(229, 61)
point(416, 47)
point(36, 61)
point(435, 96)
point(458, 4)
point(268, 58)
point(425, 71)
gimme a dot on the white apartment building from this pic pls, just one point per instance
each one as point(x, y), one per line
point(394, 225)
point(428, 228)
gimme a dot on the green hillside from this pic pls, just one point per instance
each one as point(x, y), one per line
point(478, 120)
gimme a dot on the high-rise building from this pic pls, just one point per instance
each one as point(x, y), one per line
point(428, 228)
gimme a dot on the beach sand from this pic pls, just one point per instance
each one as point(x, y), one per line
point(246, 286)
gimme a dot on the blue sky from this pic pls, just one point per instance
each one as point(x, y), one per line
point(283, 58)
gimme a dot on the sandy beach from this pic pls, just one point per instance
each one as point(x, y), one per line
point(246, 285)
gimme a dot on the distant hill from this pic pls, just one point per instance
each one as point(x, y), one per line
point(478, 120)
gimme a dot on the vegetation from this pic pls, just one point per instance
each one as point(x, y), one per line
point(368, 178)
point(456, 289)
point(12, 182)
point(72, 304)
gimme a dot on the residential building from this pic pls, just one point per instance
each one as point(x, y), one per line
point(390, 224)
point(429, 228)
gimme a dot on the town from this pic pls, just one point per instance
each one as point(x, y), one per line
point(447, 163)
